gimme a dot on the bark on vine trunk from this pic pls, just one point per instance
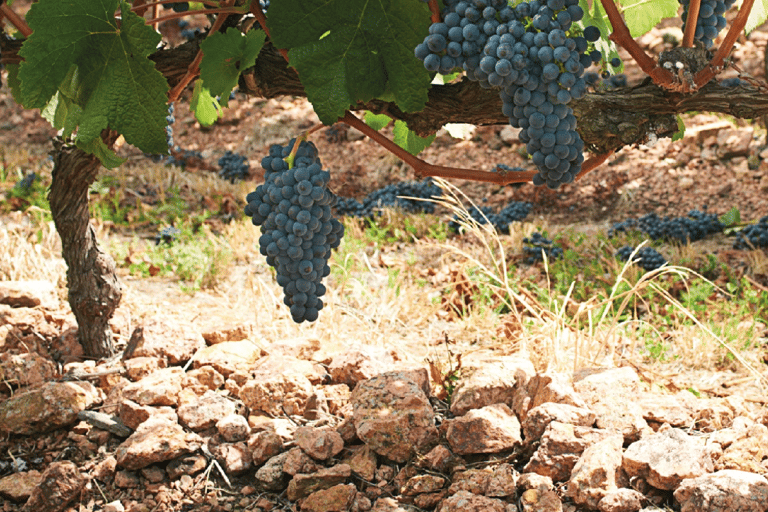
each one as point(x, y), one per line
point(94, 291)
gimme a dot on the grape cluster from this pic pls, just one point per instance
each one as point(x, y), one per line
point(711, 19)
point(695, 226)
point(646, 257)
point(169, 120)
point(755, 235)
point(527, 52)
point(234, 167)
point(25, 183)
point(537, 246)
point(167, 235)
point(395, 195)
point(515, 211)
point(293, 208)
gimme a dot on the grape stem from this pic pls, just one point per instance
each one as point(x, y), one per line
point(691, 22)
point(194, 68)
point(304, 136)
point(15, 20)
point(259, 14)
point(435, 8)
point(716, 64)
point(423, 168)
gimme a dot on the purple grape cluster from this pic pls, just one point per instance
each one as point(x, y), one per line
point(526, 51)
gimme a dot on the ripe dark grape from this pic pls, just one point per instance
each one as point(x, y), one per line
point(167, 235)
point(395, 195)
point(695, 226)
point(711, 19)
point(527, 52)
point(298, 231)
point(234, 167)
point(537, 246)
point(647, 257)
point(753, 236)
point(25, 184)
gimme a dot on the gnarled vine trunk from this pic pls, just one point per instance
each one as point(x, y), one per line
point(94, 291)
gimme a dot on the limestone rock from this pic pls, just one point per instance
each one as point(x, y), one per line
point(228, 356)
point(175, 341)
point(296, 462)
point(729, 489)
point(60, 484)
point(535, 500)
point(233, 427)
point(319, 443)
point(748, 451)
point(276, 363)
point(422, 484)
point(464, 501)
point(475, 481)
point(156, 440)
point(139, 367)
point(270, 477)
point(492, 429)
point(28, 294)
point(676, 410)
point(226, 332)
point(595, 474)
point(353, 366)
point(302, 485)
point(667, 458)
point(264, 445)
point(336, 499)
point(278, 394)
point(542, 415)
point(561, 446)
point(19, 486)
point(30, 369)
point(503, 482)
point(490, 383)
point(362, 461)
point(611, 393)
point(621, 500)
point(235, 458)
point(132, 414)
point(204, 412)
point(54, 405)
point(161, 387)
point(544, 388)
point(190, 464)
point(393, 416)
point(207, 376)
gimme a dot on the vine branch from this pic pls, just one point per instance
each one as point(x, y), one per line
point(16, 20)
point(690, 24)
point(194, 67)
point(623, 38)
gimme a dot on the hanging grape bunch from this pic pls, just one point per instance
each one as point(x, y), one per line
point(293, 208)
point(536, 56)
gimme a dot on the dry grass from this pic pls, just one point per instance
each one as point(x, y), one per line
point(30, 249)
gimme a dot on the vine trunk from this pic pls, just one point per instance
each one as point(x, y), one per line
point(94, 290)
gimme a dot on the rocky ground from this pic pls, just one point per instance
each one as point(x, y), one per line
point(189, 420)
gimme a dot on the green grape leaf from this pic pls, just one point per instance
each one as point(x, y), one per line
point(225, 56)
point(757, 16)
point(113, 82)
point(377, 121)
point(349, 51)
point(680, 133)
point(207, 110)
point(408, 140)
point(13, 82)
point(97, 147)
point(643, 15)
point(731, 217)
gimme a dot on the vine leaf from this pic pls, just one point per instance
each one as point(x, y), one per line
point(225, 56)
point(408, 140)
point(347, 51)
point(757, 16)
point(643, 15)
point(79, 46)
point(377, 121)
point(206, 108)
